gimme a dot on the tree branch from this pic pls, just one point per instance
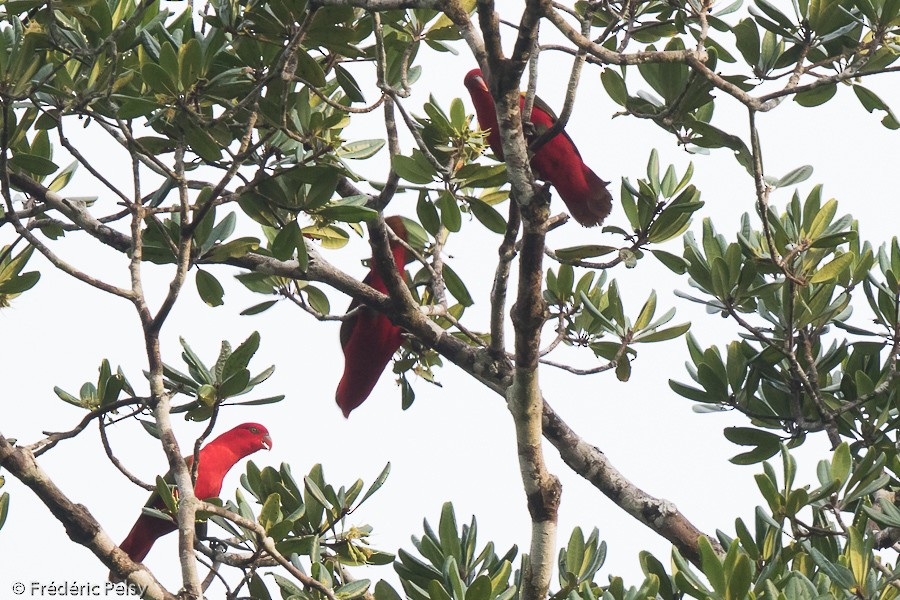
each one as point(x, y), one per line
point(81, 526)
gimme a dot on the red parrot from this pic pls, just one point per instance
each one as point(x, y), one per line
point(557, 161)
point(216, 459)
point(368, 338)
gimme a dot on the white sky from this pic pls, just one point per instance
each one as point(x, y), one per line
point(456, 442)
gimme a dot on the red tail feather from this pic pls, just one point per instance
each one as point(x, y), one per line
point(143, 535)
point(369, 339)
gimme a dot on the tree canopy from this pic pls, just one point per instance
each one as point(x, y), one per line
point(239, 127)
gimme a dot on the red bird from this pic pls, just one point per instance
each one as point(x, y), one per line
point(557, 161)
point(216, 459)
point(369, 339)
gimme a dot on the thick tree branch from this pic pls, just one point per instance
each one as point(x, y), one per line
point(81, 526)
point(611, 57)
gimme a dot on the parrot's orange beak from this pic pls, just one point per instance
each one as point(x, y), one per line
point(482, 83)
point(267, 442)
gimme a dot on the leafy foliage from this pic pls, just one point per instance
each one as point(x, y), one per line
point(244, 110)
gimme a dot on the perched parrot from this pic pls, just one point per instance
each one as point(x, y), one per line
point(216, 459)
point(557, 161)
point(369, 339)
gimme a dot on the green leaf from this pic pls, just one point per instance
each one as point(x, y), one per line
point(841, 462)
point(158, 79)
point(767, 444)
point(410, 170)
point(739, 579)
point(165, 493)
point(614, 85)
point(315, 491)
point(270, 514)
point(376, 485)
point(21, 283)
point(349, 85)
point(63, 177)
point(623, 369)
point(67, 397)
point(231, 249)
point(456, 286)
point(833, 269)
point(816, 96)
point(647, 311)
point(480, 589)
point(240, 357)
point(258, 589)
point(4, 506)
point(574, 253)
point(448, 532)
point(872, 102)
point(209, 288)
point(202, 143)
point(662, 335)
point(798, 175)
point(487, 215)
point(361, 149)
point(309, 70)
point(384, 591)
point(712, 566)
point(450, 214)
point(673, 262)
point(746, 36)
point(32, 163)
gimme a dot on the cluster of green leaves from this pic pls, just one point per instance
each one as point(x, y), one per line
point(303, 521)
point(213, 387)
point(453, 569)
point(681, 101)
point(12, 280)
point(416, 359)
point(197, 89)
point(829, 36)
point(106, 391)
point(210, 388)
point(786, 373)
point(308, 521)
point(825, 32)
point(658, 208)
point(588, 311)
point(799, 547)
point(463, 185)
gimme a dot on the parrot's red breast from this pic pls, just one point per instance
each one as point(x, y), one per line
point(216, 459)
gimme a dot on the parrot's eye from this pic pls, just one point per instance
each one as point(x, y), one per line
point(254, 430)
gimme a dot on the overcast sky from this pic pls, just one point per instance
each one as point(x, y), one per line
point(456, 442)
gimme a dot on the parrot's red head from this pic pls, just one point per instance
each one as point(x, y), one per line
point(247, 438)
point(475, 82)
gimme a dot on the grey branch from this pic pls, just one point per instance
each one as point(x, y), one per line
point(81, 526)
